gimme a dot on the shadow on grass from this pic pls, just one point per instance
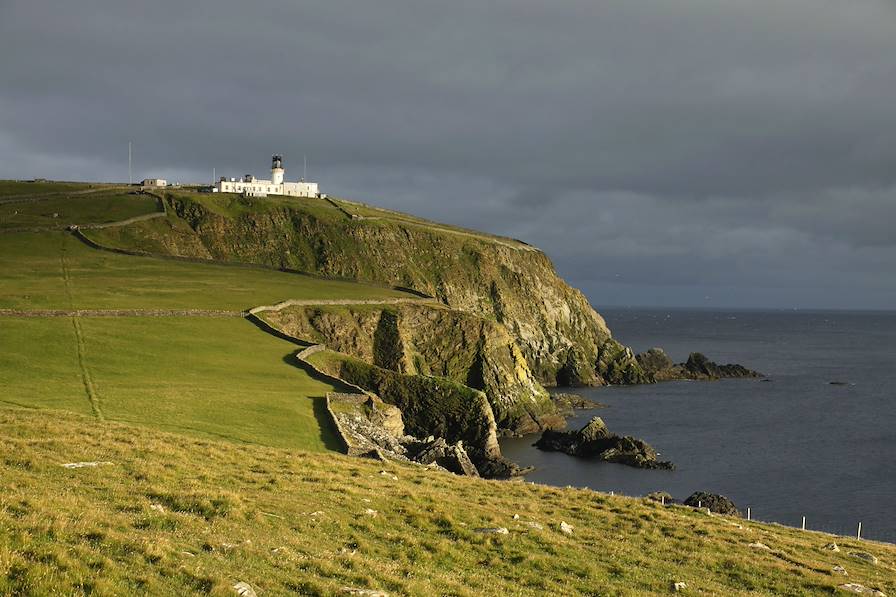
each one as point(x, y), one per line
point(328, 433)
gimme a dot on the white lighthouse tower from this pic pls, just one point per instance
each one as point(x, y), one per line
point(277, 169)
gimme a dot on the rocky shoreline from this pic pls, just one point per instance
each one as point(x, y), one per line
point(595, 441)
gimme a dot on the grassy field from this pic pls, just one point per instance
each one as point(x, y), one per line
point(53, 270)
point(217, 377)
point(59, 211)
point(173, 515)
point(18, 188)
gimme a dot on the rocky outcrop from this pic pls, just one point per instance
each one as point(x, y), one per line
point(566, 404)
point(562, 339)
point(713, 502)
point(594, 440)
point(369, 427)
point(432, 340)
point(659, 367)
point(430, 406)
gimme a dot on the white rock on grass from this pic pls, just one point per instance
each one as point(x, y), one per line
point(157, 507)
point(371, 512)
point(864, 556)
point(492, 531)
point(534, 525)
point(363, 592)
point(679, 586)
point(858, 589)
point(244, 589)
point(758, 545)
point(839, 570)
point(831, 547)
point(86, 464)
point(565, 528)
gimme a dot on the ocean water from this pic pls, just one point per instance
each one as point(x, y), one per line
point(791, 447)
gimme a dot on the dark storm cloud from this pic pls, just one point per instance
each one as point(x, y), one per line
point(661, 152)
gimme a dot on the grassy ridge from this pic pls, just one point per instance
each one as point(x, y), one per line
point(179, 516)
point(33, 268)
point(56, 212)
point(18, 188)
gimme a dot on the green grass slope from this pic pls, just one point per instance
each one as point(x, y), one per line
point(53, 270)
point(60, 211)
point(219, 377)
point(171, 515)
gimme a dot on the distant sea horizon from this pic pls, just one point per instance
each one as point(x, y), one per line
point(792, 447)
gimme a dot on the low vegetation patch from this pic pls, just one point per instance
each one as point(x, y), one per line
point(177, 515)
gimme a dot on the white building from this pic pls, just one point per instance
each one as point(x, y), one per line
point(250, 186)
point(154, 182)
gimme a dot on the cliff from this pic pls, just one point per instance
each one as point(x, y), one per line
point(507, 282)
point(431, 340)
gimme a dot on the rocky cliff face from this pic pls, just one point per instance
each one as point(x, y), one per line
point(563, 340)
point(432, 340)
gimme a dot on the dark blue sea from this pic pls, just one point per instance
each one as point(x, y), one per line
point(791, 447)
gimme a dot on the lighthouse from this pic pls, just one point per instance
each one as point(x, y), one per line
point(277, 169)
point(249, 186)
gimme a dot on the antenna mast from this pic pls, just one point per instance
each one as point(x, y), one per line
point(130, 178)
point(304, 167)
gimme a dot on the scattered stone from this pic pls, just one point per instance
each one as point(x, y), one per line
point(388, 474)
point(371, 512)
point(839, 570)
point(534, 525)
point(565, 528)
point(317, 513)
point(864, 555)
point(189, 554)
point(363, 592)
point(758, 545)
point(492, 531)
point(244, 589)
point(516, 516)
point(595, 440)
point(853, 587)
point(831, 547)
point(679, 586)
point(157, 507)
point(86, 464)
point(712, 502)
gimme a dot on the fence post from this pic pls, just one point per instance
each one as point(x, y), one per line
point(748, 513)
point(699, 504)
point(804, 523)
point(859, 532)
point(663, 499)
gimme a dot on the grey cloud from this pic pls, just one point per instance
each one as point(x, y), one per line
point(742, 150)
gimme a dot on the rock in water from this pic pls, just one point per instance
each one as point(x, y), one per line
point(594, 440)
point(654, 360)
point(713, 501)
point(697, 367)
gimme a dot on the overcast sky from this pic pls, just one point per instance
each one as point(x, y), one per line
point(673, 153)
